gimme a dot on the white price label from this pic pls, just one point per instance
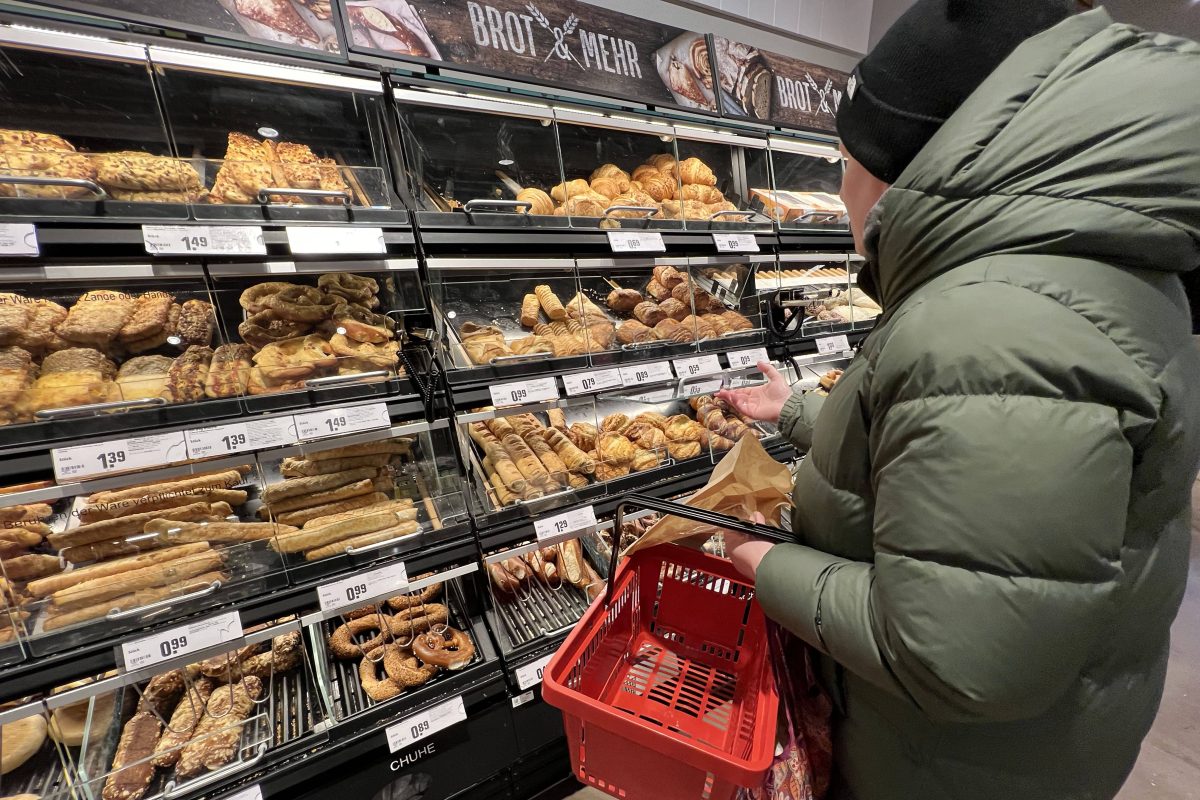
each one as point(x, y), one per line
point(588, 382)
point(249, 793)
point(640, 374)
point(833, 344)
point(427, 723)
point(654, 398)
point(735, 242)
point(697, 366)
point(530, 675)
point(335, 239)
point(576, 519)
point(187, 240)
point(538, 390)
point(636, 242)
point(340, 421)
point(181, 640)
point(118, 455)
point(239, 437)
point(703, 387)
point(18, 239)
point(741, 359)
point(522, 699)
point(389, 579)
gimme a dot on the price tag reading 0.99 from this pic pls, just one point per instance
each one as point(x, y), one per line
point(388, 579)
point(181, 640)
point(539, 390)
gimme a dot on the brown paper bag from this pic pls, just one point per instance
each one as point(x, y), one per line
point(746, 480)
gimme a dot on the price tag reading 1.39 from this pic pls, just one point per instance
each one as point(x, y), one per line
point(640, 374)
point(576, 519)
point(427, 723)
point(341, 421)
point(391, 578)
point(539, 390)
point(239, 437)
point(181, 640)
point(119, 455)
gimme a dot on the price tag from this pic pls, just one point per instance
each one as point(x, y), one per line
point(530, 675)
point(636, 242)
point(833, 344)
point(588, 382)
point(239, 437)
point(427, 723)
point(741, 359)
point(335, 239)
point(699, 365)
point(118, 455)
point(522, 699)
point(640, 374)
point(249, 793)
point(735, 242)
point(186, 240)
point(538, 390)
point(703, 387)
point(353, 590)
point(181, 640)
point(18, 239)
point(340, 421)
point(654, 398)
point(576, 519)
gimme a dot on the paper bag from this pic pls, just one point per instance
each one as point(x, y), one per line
point(746, 480)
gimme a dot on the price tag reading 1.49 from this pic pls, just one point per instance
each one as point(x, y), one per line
point(341, 421)
point(174, 240)
point(392, 578)
point(640, 374)
point(427, 723)
point(636, 242)
point(181, 640)
point(530, 675)
point(539, 390)
point(833, 344)
point(576, 519)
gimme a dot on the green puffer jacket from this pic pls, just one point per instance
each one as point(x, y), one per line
point(995, 504)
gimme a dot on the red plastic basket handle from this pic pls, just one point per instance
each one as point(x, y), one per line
point(686, 512)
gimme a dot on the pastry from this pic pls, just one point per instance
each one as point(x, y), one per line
point(589, 205)
point(76, 376)
point(673, 309)
point(531, 309)
point(564, 191)
point(33, 140)
point(214, 743)
point(701, 193)
point(295, 359)
point(660, 187)
point(183, 721)
point(539, 202)
point(657, 291)
point(14, 316)
point(649, 314)
point(301, 304)
point(17, 372)
point(137, 171)
point(229, 371)
point(20, 741)
point(355, 288)
point(550, 303)
point(187, 376)
point(693, 170)
point(132, 771)
point(127, 196)
point(610, 187)
point(37, 333)
point(624, 300)
point(575, 459)
point(97, 317)
point(254, 298)
point(143, 377)
point(532, 344)
point(196, 323)
point(49, 164)
point(158, 338)
point(608, 171)
point(245, 171)
point(631, 331)
point(151, 312)
point(379, 356)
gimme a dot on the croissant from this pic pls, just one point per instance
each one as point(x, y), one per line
point(674, 309)
point(657, 290)
point(660, 187)
point(684, 209)
point(644, 173)
point(531, 344)
point(572, 456)
point(682, 428)
point(681, 451)
point(610, 187)
point(693, 170)
point(715, 441)
point(652, 418)
point(649, 314)
point(631, 331)
point(547, 455)
point(644, 460)
point(674, 331)
point(661, 161)
point(482, 349)
point(577, 480)
point(609, 171)
point(539, 202)
point(610, 472)
point(668, 276)
point(707, 303)
point(701, 193)
point(613, 448)
point(648, 437)
point(584, 435)
point(550, 302)
point(593, 205)
point(531, 309)
point(717, 323)
point(736, 321)
point(720, 205)
point(569, 189)
point(614, 422)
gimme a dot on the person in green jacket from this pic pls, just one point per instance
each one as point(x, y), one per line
point(993, 513)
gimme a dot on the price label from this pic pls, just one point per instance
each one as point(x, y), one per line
point(697, 366)
point(636, 242)
point(249, 793)
point(427, 723)
point(335, 239)
point(187, 240)
point(703, 387)
point(589, 382)
point(742, 359)
point(18, 239)
point(735, 242)
point(576, 519)
point(640, 374)
point(119, 455)
point(181, 640)
point(239, 437)
point(522, 699)
point(654, 398)
point(538, 390)
point(340, 421)
point(530, 675)
point(833, 344)
point(389, 579)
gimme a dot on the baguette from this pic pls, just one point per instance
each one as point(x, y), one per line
point(175, 570)
point(364, 486)
point(205, 481)
point(307, 468)
point(32, 566)
point(117, 548)
point(230, 497)
point(387, 505)
point(131, 770)
point(403, 529)
point(172, 532)
point(183, 722)
point(64, 619)
point(570, 556)
point(306, 515)
point(398, 446)
point(26, 513)
point(215, 740)
point(47, 586)
point(336, 531)
point(318, 483)
point(109, 529)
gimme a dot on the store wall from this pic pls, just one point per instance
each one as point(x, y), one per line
point(1180, 17)
point(884, 14)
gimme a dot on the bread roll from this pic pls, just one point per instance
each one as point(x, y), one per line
point(20, 741)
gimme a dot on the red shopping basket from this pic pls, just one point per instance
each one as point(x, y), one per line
point(665, 684)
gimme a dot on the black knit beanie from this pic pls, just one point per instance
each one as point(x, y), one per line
point(923, 69)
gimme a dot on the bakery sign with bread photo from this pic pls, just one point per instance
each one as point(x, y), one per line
point(769, 87)
point(554, 42)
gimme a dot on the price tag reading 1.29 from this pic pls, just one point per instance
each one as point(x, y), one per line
point(341, 421)
point(539, 390)
point(392, 578)
point(530, 675)
point(427, 723)
point(576, 519)
point(588, 382)
point(640, 374)
point(181, 640)
point(636, 242)
point(118, 455)
point(744, 359)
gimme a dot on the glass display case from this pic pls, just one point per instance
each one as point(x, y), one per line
point(799, 186)
point(733, 282)
point(714, 170)
point(112, 557)
point(172, 729)
point(863, 310)
point(809, 295)
point(35, 753)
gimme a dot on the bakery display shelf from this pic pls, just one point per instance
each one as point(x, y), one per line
point(805, 179)
point(34, 764)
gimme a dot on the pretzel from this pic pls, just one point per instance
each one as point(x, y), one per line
point(341, 641)
point(301, 304)
point(253, 298)
point(450, 649)
point(418, 619)
point(405, 601)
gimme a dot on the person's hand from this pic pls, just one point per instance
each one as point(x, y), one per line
point(746, 552)
point(764, 403)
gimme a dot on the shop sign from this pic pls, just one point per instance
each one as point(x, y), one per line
point(770, 87)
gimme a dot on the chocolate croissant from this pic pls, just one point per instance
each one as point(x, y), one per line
point(624, 300)
point(649, 314)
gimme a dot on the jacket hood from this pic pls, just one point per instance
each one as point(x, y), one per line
point(1084, 142)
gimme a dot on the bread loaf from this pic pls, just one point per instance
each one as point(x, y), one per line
point(349, 506)
point(131, 769)
point(183, 722)
point(215, 740)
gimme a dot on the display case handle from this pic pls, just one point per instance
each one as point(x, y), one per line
point(83, 411)
point(523, 357)
point(819, 218)
point(648, 344)
point(649, 211)
point(333, 380)
point(133, 612)
point(498, 205)
point(71, 183)
point(173, 789)
point(746, 216)
point(265, 194)
point(746, 332)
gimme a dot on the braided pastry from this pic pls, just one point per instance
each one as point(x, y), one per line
point(550, 303)
point(355, 288)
